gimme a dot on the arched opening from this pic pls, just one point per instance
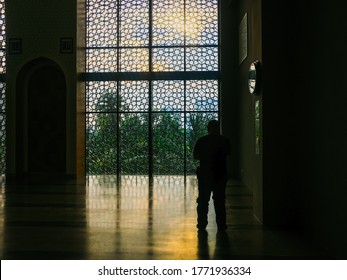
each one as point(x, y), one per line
point(41, 120)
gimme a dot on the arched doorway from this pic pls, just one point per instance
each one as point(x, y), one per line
point(41, 120)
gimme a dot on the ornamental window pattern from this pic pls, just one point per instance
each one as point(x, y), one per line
point(151, 84)
point(2, 89)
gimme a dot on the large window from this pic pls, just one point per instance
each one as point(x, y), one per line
point(2, 89)
point(151, 83)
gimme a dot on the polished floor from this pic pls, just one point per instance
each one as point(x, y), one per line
point(133, 219)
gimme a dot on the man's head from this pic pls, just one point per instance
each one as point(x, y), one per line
point(213, 127)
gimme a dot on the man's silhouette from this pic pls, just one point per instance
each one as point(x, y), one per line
point(212, 150)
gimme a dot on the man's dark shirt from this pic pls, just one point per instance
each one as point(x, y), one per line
point(212, 151)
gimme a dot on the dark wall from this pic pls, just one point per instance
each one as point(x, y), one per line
point(305, 150)
point(41, 25)
point(324, 196)
point(304, 135)
point(284, 99)
point(250, 163)
point(276, 38)
point(229, 82)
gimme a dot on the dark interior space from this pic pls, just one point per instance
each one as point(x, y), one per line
point(41, 119)
point(46, 117)
point(286, 197)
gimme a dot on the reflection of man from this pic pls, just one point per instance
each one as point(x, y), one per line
point(211, 150)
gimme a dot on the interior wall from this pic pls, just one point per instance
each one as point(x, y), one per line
point(324, 195)
point(274, 175)
point(40, 25)
point(283, 98)
point(250, 162)
point(228, 81)
point(303, 99)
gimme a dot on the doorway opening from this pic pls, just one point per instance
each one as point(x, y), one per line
point(41, 120)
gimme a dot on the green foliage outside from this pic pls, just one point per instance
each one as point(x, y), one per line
point(168, 144)
point(134, 143)
point(102, 145)
point(169, 141)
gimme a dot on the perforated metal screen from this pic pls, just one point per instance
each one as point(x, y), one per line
point(151, 83)
point(2, 89)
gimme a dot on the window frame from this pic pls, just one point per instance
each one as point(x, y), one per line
point(151, 76)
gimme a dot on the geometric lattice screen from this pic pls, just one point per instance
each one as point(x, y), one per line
point(151, 83)
point(2, 89)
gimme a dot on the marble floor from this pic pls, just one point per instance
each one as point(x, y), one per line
point(132, 219)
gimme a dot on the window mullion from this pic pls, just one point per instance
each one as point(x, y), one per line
point(184, 93)
point(150, 101)
point(118, 95)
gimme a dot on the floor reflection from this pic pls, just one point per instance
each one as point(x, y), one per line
point(148, 220)
point(222, 248)
point(132, 218)
point(43, 222)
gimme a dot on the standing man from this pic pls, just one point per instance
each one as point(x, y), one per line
point(212, 151)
